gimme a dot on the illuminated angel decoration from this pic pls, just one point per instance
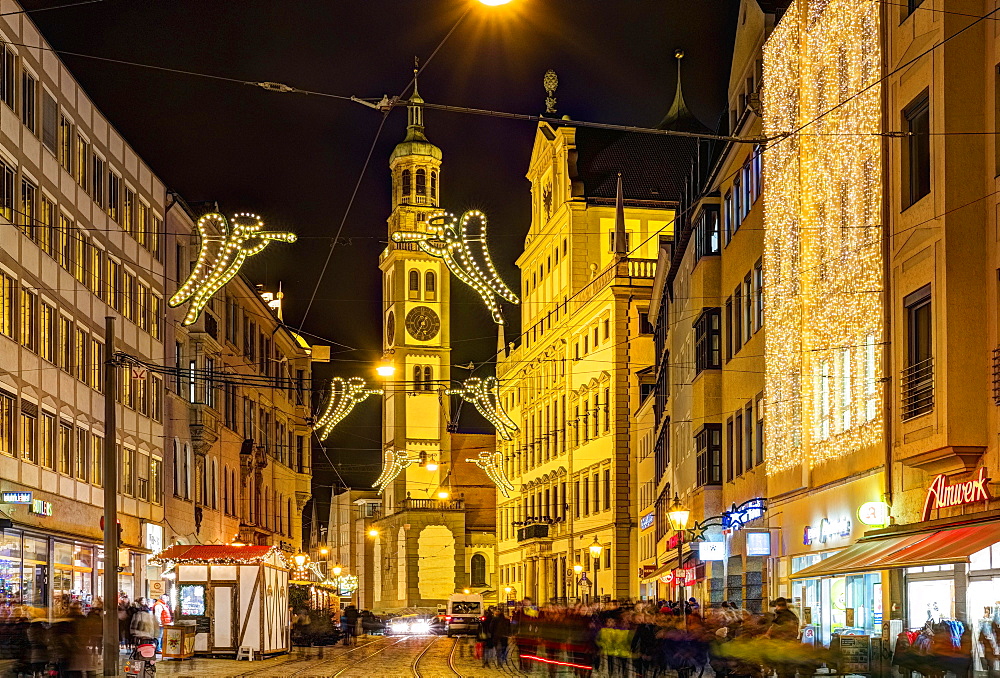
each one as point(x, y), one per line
point(484, 394)
point(465, 254)
point(344, 395)
point(394, 462)
point(221, 257)
point(492, 463)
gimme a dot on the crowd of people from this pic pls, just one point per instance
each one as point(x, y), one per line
point(647, 640)
point(68, 643)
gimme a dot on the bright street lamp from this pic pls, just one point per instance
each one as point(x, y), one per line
point(337, 569)
point(373, 532)
point(578, 568)
point(595, 549)
point(494, 3)
point(300, 560)
point(385, 369)
point(431, 466)
point(443, 495)
point(323, 551)
point(678, 515)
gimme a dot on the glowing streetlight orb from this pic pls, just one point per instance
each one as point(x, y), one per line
point(465, 591)
point(373, 532)
point(323, 551)
point(337, 569)
point(494, 3)
point(300, 559)
point(578, 568)
point(385, 369)
point(442, 495)
point(432, 466)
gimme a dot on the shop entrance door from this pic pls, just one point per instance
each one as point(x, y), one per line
point(223, 628)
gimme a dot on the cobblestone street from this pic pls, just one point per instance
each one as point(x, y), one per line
point(374, 657)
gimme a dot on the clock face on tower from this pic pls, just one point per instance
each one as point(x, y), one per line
point(422, 323)
point(390, 329)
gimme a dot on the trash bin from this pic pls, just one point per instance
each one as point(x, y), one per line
point(178, 639)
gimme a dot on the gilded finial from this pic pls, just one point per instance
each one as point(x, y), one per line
point(550, 82)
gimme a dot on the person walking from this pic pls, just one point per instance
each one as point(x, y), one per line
point(143, 628)
point(163, 617)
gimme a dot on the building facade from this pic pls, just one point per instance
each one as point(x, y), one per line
point(81, 239)
point(580, 371)
point(239, 410)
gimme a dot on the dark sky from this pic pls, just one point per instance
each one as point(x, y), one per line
point(295, 159)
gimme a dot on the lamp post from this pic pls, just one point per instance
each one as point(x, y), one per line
point(577, 569)
point(595, 552)
point(678, 516)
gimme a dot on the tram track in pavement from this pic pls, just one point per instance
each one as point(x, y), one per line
point(310, 663)
point(415, 666)
point(354, 663)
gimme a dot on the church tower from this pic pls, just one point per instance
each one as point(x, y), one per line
point(416, 319)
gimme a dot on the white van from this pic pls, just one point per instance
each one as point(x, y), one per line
point(465, 611)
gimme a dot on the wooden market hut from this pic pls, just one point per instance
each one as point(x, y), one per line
point(236, 594)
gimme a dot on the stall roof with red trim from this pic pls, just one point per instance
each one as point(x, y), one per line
point(242, 554)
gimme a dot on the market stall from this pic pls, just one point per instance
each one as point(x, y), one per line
point(237, 595)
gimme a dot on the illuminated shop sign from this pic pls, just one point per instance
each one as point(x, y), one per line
point(740, 515)
point(874, 513)
point(942, 495)
point(42, 508)
point(712, 550)
point(758, 543)
point(647, 521)
point(827, 530)
point(16, 497)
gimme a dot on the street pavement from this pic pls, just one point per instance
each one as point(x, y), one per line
point(372, 657)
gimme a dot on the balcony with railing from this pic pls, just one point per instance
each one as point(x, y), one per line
point(917, 383)
point(536, 531)
point(432, 505)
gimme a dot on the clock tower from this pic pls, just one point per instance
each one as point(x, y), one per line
point(416, 320)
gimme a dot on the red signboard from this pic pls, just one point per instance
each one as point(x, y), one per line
point(674, 541)
point(942, 495)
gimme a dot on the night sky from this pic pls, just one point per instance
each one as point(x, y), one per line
point(295, 159)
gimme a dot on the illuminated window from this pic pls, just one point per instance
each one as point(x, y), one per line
point(707, 339)
point(414, 287)
point(430, 286)
point(28, 92)
point(66, 143)
point(434, 182)
point(708, 443)
point(28, 422)
point(407, 187)
point(421, 182)
point(918, 375)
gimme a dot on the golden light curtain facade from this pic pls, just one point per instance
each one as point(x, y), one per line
point(822, 244)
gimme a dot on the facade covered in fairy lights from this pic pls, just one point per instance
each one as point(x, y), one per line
point(823, 248)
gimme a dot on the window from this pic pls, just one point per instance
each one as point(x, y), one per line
point(66, 143)
point(607, 489)
point(727, 208)
point(98, 179)
point(156, 480)
point(82, 162)
point(434, 185)
point(46, 439)
point(7, 186)
point(708, 442)
point(706, 232)
point(7, 69)
point(127, 468)
point(142, 477)
point(421, 182)
point(28, 329)
point(916, 149)
point(729, 329)
point(414, 286)
point(758, 294)
point(28, 422)
point(64, 448)
point(911, 6)
point(748, 440)
point(645, 327)
point(65, 242)
point(28, 91)
point(428, 377)
point(918, 375)
point(477, 570)
point(737, 328)
point(50, 122)
point(706, 329)
point(430, 286)
point(81, 344)
point(65, 343)
point(113, 206)
point(730, 460)
point(156, 397)
point(127, 220)
point(96, 459)
point(26, 210)
point(44, 226)
point(611, 241)
point(81, 455)
point(418, 378)
point(407, 188)
point(738, 442)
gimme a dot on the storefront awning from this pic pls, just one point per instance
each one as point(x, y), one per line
point(929, 548)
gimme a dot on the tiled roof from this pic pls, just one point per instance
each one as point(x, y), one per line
point(214, 552)
point(653, 166)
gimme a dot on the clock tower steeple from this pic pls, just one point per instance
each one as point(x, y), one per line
point(416, 317)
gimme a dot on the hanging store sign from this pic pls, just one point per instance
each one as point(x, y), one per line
point(647, 521)
point(758, 543)
point(42, 508)
point(674, 541)
point(827, 530)
point(740, 515)
point(942, 495)
point(17, 497)
point(874, 513)
point(712, 550)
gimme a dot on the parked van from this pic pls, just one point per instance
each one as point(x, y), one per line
point(465, 611)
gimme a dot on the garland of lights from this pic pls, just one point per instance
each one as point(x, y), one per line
point(344, 395)
point(232, 560)
point(483, 393)
point(492, 463)
point(452, 242)
point(394, 462)
point(822, 239)
point(221, 257)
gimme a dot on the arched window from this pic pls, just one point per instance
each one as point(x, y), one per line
point(421, 182)
point(428, 377)
point(434, 185)
point(406, 183)
point(477, 570)
point(414, 284)
point(418, 375)
point(430, 286)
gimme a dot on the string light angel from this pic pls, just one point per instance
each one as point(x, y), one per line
point(344, 395)
point(484, 394)
point(492, 463)
point(394, 462)
point(221, 257)
point(465, 254)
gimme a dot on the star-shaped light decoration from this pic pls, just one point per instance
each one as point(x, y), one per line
point(492, 463)
point(344, 395)
point(221, 256)
point(394, 462)
point(483, 393)
point(465, 254)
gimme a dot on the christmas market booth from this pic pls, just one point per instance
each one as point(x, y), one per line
point(236, 594)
